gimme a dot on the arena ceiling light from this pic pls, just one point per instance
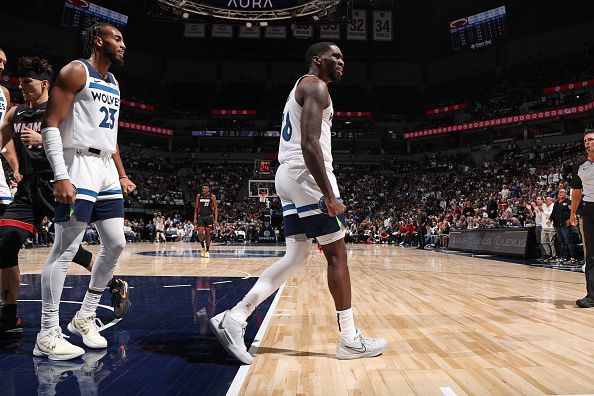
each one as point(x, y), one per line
point(259, 11)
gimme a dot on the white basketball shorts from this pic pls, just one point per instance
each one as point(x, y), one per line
point(98, 191)
point(300, 197)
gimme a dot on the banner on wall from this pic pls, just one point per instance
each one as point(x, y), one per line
point(446, 109)
point(539, 115)
point(330, 32)
point(357, 28)
point(570, 86)
point(220, 30)
point(382, 25)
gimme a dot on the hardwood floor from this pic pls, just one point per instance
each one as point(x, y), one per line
point(455, 324)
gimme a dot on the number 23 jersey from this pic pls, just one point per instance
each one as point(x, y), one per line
point(92, 120)
point(289, 150)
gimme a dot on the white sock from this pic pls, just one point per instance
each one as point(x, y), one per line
point(346, 324)
point(243, 310)
point(90, 302)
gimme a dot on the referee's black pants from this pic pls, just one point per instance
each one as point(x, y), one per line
point(588, 216)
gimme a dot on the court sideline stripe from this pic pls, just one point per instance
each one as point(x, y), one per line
point(166, 286)
point(242, 373)
point(447, 391)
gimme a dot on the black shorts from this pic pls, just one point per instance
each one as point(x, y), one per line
point(33, 201)
point(2, 209)
point(205, 222)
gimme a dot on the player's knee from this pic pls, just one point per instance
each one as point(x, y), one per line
point(299, 249)
point(118, 244)
point(11, 240)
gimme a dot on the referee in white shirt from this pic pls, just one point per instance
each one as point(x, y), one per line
point(582, 184)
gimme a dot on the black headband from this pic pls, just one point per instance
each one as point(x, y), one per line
point(30, 73)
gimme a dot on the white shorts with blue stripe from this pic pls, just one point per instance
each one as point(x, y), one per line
point(300, 196)
point(98, 191)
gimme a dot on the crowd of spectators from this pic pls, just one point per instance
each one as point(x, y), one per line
point(517, 90)
point(454, 192)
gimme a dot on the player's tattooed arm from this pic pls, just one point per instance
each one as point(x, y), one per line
point(313, 92)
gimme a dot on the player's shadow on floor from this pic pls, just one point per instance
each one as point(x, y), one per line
point(292, 352)
point(559, 304)
point(190, 347)
point(205, 349)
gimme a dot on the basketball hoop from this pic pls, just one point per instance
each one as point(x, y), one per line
point(263, 195)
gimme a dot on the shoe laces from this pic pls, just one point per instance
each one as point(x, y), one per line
point(369, 341)
point(366, 340)
point(56, 337)
point(91, 324)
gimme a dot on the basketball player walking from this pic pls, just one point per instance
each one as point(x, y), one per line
point(206, 208)
point(33, 199)
point(582, 184)
point(311, 209)
point(82, 152)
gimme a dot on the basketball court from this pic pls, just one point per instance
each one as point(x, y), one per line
point(456, 325)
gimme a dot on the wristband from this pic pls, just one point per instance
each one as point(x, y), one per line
point(123, 177)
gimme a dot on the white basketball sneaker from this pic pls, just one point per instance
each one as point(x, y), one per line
point(53, 345)
point(360, 347)
point(88, 328)
point(230, 334)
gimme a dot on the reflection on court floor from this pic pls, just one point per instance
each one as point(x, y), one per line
point(163, 346)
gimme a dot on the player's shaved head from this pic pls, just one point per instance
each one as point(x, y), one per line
point(317, 49)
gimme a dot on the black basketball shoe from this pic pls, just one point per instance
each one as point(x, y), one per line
point(11, 330)
point(585, 303)
point(120, 297)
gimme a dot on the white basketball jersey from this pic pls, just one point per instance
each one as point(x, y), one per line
point(289, 150)
point(5, 197)
point(92, 120)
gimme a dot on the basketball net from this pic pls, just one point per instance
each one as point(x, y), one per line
point(262, 196)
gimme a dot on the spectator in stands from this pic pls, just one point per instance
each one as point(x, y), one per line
point(422, 222)
point(91, 236)
point(536, 209)
point(548, 232)
point(467, 210)
point(504, 193)
point(188, 231)
point(128, 233)
point(560, 218)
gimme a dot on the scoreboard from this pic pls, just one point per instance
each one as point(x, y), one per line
point(81, 14)
point(264, 167)
point(477, 31)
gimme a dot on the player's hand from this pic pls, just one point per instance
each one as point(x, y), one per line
point(30, 137)
point(64, 192)
point(17, 176)
point(214, 225)
point(128, 186)
point(572, 220)
point(335, 207)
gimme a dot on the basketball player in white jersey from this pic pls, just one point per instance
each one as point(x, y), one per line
point(33, 200)
point(5, 197)
point(80, 140)
point(311, 209)
point(9, 324)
